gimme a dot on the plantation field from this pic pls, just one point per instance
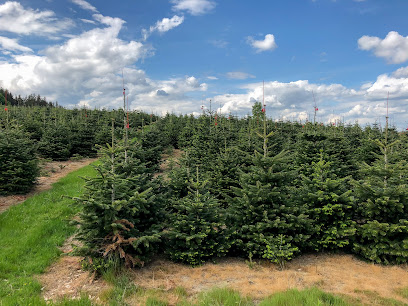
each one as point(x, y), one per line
point(51, 172)
point(272, 204)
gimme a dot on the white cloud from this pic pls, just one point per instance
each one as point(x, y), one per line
point(401, 72)
point(394, 47)
point(163, 25)
point(194, 7)
point(88, 21)
point(12, 45)
point(294, 100)
point(239, 75)
point(64, 68)
point(15, 18)
point(263, 45)
point(86, 70)
point(210, 77)
point(85, 5)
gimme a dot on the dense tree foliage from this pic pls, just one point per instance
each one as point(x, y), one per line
point(18, 163)
point(272, 189)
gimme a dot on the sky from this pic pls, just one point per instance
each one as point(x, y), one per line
point(347, 57)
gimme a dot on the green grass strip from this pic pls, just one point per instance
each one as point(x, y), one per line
point(30, 234)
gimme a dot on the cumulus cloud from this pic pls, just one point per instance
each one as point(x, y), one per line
point(12, 45)
point(394, 47)
point(64, 68)
point(268, 44)
point(239, 75)
point(194, 7)
point(85, 5)
point(14, 18)
point(336, 102)
point(163, 25)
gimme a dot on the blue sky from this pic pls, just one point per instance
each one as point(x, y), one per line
point(178, 54)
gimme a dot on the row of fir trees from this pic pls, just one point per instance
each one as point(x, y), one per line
point(30, 133)
point(250, 187)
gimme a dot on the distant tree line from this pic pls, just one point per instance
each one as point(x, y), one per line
point(30, 100)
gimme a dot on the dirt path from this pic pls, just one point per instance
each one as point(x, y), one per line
point(52, 171)
point(167, 161)
point(339, 274)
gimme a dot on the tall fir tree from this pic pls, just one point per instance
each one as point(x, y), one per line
point(122, 217)
point(196, 230)
point(263, 217)
point(18, 162)
point(329, 202)
point(382, 193)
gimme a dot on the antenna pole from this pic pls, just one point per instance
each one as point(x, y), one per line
point(386, 120)
point(315, 108)
point(125, 123)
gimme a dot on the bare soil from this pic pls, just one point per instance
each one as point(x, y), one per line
point(168, 161)
point(65, 278)
point(52, 172)
point(338, 274)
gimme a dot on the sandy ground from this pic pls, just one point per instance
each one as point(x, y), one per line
point(53, 171)
point(339, 274)
point(167, 162)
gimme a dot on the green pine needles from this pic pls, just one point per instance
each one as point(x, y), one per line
point(197, 230)
point(121, 217)
point(382, 232)
point(18, 162)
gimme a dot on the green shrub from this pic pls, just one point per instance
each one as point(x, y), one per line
point(55, 143)
point(18, 162)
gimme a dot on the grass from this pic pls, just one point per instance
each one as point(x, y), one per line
point(403, 292)
point(223, 296)
point(304, 297)
point(226, 296)
point(123, 287)
point(30, 234)
point(375, 299)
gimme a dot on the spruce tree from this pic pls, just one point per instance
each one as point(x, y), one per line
point(382, 232)
point(263, 217)
point(329, 202)
point(196, 230)
point(55, 142)
point(18, 162)
point(121, 217)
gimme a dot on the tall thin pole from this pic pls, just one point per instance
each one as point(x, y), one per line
point(386, 117)
point(315, 108)
point(125, 125)
point(386, 143)
point(113, 162)
point(264, 111)
point(6, 109)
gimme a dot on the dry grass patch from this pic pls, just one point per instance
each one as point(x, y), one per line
point(338, 274)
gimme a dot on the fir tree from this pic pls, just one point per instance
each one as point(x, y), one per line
point(121, 216)
point(382, 232)
point(18, 162)
point(329, 203)
point(197, 229)
point(263, 208)
point(263, 212)
point(55, 143)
